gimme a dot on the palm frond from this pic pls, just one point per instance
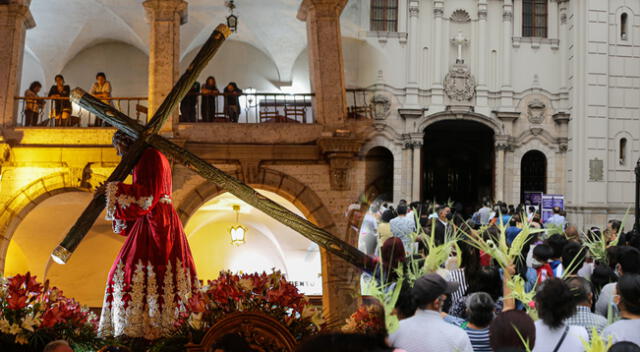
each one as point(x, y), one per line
point(597, 343)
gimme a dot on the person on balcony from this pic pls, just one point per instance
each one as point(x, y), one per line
point(209, 96)
point(188, 104)
point(231, 101)
point(61, 110)
point(101, 89)
point(32, 107)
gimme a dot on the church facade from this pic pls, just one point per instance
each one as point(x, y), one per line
point(552, 85)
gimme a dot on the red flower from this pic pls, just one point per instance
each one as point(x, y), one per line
point(17, 302)
point(51, 317)
point(196, 303)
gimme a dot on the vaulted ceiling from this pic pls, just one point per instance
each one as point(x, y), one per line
point(66, 27)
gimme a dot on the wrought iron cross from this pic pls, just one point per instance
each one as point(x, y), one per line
point(146, 136)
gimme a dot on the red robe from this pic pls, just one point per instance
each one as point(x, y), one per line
point(153, 276)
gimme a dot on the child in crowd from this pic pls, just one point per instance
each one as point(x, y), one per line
point(541, 255)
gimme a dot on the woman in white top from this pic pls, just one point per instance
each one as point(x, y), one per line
point(101, 89)
point(555, 303)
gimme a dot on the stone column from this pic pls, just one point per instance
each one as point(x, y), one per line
point(165, 18)
point(501, 146)
point(482, 92)
point(340, 280)
point(412, 58)
point(326, 63)
point(417, 167)
point(506, 100)
point(564, 48)
point(406, 174)
point(437, 98)
point(15, 19)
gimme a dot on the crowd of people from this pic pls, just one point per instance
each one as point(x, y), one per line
point(60, 111)
point(208, 93)
point(467, 305)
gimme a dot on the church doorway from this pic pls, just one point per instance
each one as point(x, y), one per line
point(379, 174)
point(268, 243)
point(458, 163)
point(533, 173)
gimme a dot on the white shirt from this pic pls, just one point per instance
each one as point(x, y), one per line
point(402, 227)
point(426, 331)
point(547, 338)
point(606, 295)
point(557, 220)
point(624, 330)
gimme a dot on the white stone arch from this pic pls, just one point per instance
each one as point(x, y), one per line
point(553, 167)
point(493, 123)
point(395, 147)
point(615, 150)
point(630, 25)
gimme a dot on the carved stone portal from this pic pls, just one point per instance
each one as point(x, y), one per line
point(535, 112)
point(381, 106)
point(459, 84)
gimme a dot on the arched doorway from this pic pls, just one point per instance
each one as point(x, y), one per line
point(458, 162)
point(379, 174)
point(533, 173)
point(269, 244)
point(41, 231)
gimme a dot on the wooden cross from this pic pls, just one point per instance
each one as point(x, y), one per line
point(146, 136)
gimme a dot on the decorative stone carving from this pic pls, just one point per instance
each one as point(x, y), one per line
point(340, 151)
point(438, 11)
point(381, 106)
point(507, 16)
point(414, 9)
point(459, 84)
point(460, 16)
point(535, 111)
point(482, 12)
point(505, 145)
point(596, 170)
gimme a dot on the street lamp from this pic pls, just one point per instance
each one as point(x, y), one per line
point(232, 20)
point(237, 231)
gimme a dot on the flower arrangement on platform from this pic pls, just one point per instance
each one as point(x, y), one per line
point(32, 314)
point(368, 320)
point(268, 293)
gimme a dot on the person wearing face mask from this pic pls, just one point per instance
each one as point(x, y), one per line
point(443, 225)
point(427, 331)
point(628, 301)
point(541, 255)
point(628, 263)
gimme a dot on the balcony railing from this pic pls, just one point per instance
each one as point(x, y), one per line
point(359, 104)
point(60, 112)
point(252, 108)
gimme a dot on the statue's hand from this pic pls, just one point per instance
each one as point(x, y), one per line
point(100, 190)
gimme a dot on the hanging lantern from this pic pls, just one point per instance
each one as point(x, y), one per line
point(232, 20)
point(237, 231)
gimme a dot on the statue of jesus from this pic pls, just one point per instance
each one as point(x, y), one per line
point(153, 276)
